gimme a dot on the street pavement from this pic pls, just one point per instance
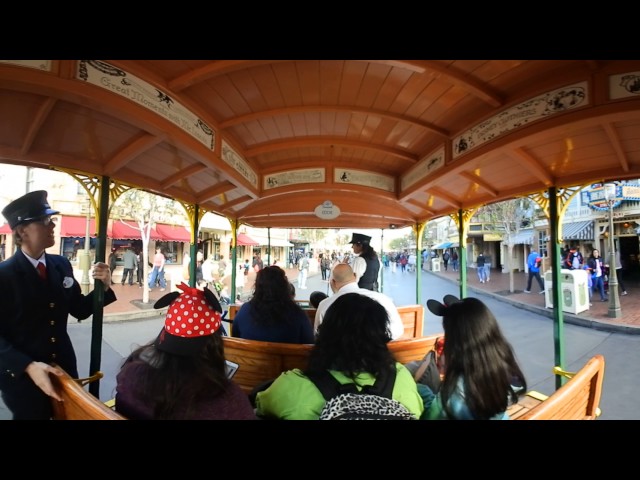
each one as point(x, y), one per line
point(528, 326)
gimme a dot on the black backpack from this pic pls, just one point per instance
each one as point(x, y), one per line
point(346, 402)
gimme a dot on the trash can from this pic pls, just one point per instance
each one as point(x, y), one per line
point(435, 264)
point(574, 291)
point(548, 289)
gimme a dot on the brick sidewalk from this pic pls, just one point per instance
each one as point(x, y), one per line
point(598, 312)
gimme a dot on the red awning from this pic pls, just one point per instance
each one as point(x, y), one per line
point(129, 231)
point(76, 226)
point(173, 233)
point(244, 239)
point(5, 229)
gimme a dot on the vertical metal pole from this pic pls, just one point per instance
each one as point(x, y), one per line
point(194, 248)
point(614, 297)
point(462, 257)
point(381, 262)
point(556, 262)
point(98, 294)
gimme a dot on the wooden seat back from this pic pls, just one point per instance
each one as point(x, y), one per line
point(578, 399)
point(262, 361)
point(413, 319)
point(78, 403)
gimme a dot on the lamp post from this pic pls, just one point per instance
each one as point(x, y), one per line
point(614, 299)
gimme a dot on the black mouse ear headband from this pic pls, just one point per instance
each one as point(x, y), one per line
point(438, 308)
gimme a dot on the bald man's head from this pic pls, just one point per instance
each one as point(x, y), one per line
point(343, 273)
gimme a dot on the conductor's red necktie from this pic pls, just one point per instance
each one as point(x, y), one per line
point(42, 270)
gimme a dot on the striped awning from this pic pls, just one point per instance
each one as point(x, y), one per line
point(523, 237)
point(578, 231)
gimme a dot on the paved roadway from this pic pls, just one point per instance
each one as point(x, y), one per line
point(530, 333)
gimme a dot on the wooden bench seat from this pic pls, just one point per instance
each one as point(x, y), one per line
point(412, 317)
point(262, 361)
point(78, 403)
point(578, 399)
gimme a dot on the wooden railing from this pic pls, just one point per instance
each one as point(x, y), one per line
point(578, 399)
point(78, 403)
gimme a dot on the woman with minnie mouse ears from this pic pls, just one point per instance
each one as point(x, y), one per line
point(481, 374)
point(181, 375)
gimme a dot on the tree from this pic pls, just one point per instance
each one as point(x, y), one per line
point(508, 218)
point(402, 243)
point(146, 209)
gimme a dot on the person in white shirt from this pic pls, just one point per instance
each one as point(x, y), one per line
point(342, 281)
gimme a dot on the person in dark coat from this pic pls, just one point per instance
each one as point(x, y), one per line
point(39, 292)
point(366, 265)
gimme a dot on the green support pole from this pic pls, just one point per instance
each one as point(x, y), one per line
point(462, 244)
point(98, 296)
point(381, 264)
point(558, 317)
point(194, 248)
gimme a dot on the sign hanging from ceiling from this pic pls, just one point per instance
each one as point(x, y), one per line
point(327, 211)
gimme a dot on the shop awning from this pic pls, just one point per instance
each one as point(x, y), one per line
point(578, 230)
point(442, 245)
point(523, 237)
point(274, 242)
point(173, 233)
point(244, 239)
point(76, 226)
point(129, 231)
point(5, 229)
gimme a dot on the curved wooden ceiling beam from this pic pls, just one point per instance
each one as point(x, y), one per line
point(333, 108)
point(232, 203)
point(39, 118)
point(480, 182)
point(213, 69)
point(131, 151)
point(183, 174)
point(613, 137)
point(534, 166)
point(209, 193)
point(445, 197)
point(324, 142)
point(457, 77)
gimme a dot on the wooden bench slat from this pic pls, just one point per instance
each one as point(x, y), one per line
point(262, 361)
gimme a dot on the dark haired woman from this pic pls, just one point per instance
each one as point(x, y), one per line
point(482, 377)
point(181, 375)
point(351, 345)
point(272, 315)
point(366, 264)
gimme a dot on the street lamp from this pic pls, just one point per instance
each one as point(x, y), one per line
point(614, 299)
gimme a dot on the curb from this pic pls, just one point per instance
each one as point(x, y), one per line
point(569, 318)
point(133, 315)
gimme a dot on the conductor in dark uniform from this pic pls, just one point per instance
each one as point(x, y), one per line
point(366, 265)
point(38, 293)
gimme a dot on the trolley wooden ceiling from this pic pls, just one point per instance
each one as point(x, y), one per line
point(361, 134)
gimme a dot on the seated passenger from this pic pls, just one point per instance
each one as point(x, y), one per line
point(272, 315)
point(181, 375)
point(352, 345)
point(481, 374)
point(316, 297)
point(343, 281)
